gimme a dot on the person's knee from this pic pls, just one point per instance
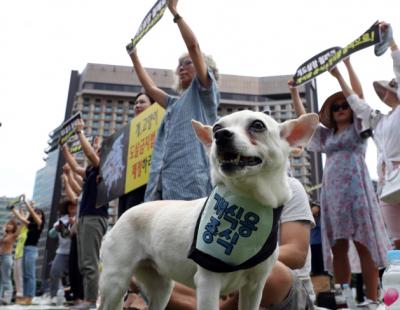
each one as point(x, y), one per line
point(277, 286)
point(341, 247)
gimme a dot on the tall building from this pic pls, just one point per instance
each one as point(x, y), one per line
point(5, 214)
point(105, 98)
point(104, 94)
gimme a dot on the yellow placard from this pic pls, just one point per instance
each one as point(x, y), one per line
point(142, 134)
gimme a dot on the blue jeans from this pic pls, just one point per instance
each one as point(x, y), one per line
point(6, 262)
point(30, 257)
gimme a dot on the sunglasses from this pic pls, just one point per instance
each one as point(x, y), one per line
point(336, 107)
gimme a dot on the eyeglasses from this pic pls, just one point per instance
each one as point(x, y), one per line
point(336, 107)
point(185, 63)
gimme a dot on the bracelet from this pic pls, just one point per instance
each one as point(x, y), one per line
point(78, 131)
point(176, 17)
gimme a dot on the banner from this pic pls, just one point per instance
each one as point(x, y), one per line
point(74, 144)
point(329, 58)
point(15, 202)
point(68, 128)
point(126, 155)
point(152, 17)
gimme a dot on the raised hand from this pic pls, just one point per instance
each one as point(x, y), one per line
point(172, 4)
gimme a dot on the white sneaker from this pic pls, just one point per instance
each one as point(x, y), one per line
point(368, 305)
point(53, 301)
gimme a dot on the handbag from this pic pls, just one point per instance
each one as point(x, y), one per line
point(391, 189)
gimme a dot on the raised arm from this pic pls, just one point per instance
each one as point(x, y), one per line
point(20, 216)
point(147, 82)
point(31, 210)
point(78, 169)
point(354, 80)
point(192, 45)
point(88, 149)
point(71, 180)
point(71, 194)
point(347, 91)
point(396, 60)
point(297, 102)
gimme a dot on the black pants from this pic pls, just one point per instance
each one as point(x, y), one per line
point(75, 276)
point(131, 199)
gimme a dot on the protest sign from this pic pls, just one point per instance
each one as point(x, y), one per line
point(143, 132)
point(15, 202)
point(68, 128)
point(151, 18)
point(126, 155)
point(329, 58)
point(74, 144)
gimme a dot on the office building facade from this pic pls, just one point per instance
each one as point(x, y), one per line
point(104, 94)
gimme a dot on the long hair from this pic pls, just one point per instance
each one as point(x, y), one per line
point(38, 210)
point(14, 224)
point(147, 95)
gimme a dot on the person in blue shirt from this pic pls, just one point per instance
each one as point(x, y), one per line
point(179, 166)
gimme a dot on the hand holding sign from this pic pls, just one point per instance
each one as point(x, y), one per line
point(79, 125)
point(329, 58)
point(387, 38)
point(151, 18)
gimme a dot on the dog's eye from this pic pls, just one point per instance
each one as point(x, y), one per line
point(257, 126)
point(216, 128)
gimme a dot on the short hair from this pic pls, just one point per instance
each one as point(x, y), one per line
point(210, 62)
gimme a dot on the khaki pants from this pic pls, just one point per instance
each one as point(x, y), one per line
point(91, 229)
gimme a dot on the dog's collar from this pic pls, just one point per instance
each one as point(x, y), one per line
point(234, 232)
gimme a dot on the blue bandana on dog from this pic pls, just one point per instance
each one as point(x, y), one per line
point(234, 232)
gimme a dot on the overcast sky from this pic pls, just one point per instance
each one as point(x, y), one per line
point(43, 40)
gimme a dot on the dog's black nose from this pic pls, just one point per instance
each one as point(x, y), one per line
point(223, 136)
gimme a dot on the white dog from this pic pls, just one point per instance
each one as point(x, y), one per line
point(248, 156)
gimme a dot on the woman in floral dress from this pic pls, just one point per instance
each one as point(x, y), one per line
point(349, 207)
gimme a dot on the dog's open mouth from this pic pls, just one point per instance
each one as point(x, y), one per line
point(235, 160)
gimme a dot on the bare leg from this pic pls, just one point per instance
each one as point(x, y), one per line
point(369, 271)
point(397, 244)
point(341, 265)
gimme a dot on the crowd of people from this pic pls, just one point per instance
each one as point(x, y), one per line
point(350, 214)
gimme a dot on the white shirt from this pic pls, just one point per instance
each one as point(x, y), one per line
point(386, 135)
point(298, 209)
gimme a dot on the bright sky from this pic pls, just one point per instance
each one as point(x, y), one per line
point(43, 40)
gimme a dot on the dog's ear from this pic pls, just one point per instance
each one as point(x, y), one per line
point(298, 131)
point(203, 132)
